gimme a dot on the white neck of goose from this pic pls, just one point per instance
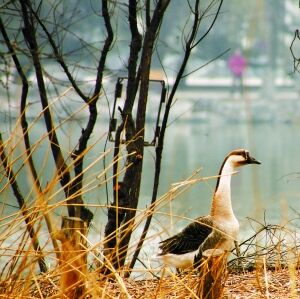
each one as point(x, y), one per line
point(221, 204)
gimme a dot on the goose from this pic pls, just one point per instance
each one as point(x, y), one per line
point(219, 229)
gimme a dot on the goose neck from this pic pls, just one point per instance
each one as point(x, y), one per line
point(221, 204)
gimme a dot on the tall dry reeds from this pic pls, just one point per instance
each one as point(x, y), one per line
point(26, 238)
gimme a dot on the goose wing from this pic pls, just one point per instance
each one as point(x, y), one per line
point(189, 239)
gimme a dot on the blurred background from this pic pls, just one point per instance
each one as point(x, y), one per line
point(240, 90)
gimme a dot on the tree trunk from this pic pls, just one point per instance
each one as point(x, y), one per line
point(73, 257)
point(134, 134)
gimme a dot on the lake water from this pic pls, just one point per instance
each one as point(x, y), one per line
point(269, 191)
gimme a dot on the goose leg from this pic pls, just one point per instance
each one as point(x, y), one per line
point(238, 252)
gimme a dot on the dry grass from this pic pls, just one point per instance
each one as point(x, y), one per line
point(271, 246)
point(271, 284)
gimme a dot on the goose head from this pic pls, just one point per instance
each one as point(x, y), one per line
point(240, 157)
point(236, 159)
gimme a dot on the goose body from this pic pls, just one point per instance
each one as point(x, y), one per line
point(219, 229)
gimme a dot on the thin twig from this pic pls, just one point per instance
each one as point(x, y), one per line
point(21, 201)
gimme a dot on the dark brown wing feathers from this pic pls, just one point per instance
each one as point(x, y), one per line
point(189, 239)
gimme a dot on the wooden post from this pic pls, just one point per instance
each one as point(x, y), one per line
point(213, 272)
point(73, 257)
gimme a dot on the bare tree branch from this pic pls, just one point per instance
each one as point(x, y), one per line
point(148, 17)
point(160, 143)
point(147, 51)
point(58, 55)
point(210, 27)
point(78, 154)
point(29, 35)
point(24, 125)
point(27, 217)
point(122, 190)
point(296, 60)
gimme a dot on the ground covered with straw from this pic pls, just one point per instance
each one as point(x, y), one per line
point(271, 284)
point(282, 283)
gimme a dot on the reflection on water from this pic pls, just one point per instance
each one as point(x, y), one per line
point(267, 190)
point(255, 188)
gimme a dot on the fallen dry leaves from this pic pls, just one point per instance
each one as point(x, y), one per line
point(279, 284)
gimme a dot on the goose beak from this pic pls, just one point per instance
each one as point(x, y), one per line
point(252, 160)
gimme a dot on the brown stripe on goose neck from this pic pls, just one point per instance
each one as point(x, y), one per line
point(219, 174)
point(235, 152)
